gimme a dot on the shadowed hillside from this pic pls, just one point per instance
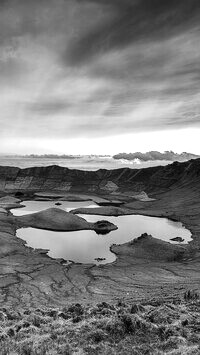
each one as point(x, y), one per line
point(102, 181)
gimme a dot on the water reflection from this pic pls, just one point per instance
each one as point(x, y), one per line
point(36, 206)
point(86, 246)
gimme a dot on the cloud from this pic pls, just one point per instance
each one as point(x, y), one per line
point(96, 68)
point(155, 155)
point(48, 107)
point(131, 21)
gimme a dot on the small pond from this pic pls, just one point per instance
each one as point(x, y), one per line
point(86, 246)
point(36, 206)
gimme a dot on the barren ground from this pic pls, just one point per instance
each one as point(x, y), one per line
point(145, 269)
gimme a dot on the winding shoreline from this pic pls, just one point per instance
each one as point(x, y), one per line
point(31, 278)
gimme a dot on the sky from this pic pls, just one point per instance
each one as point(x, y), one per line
point(99, 76)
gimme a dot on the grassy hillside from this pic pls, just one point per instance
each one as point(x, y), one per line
point(156, 328)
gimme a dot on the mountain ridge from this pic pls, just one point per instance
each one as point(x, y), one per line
point(54, 177)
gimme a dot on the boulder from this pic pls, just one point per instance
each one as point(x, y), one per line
point(9, 200)
point(104, 227)
point(177, 239)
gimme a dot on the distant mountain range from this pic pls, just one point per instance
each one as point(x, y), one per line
point(154, 155)
point(55, 156)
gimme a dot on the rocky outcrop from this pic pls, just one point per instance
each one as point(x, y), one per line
point(56, 219)
point(148, 248)
point(9, 199)
point(143, 197)
point(8, 202)
point(103, 211)
point(109, 186)
point(103, 227)
point(177, 239)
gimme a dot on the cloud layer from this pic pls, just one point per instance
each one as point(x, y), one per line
point(96, 68)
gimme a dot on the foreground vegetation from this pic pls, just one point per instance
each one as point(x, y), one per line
point(158, 328)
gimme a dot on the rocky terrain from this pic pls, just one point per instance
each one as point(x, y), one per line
point(38, 293)
point(144, 269)
point(101, 182)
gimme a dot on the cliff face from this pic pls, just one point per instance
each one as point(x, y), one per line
point(63, 179)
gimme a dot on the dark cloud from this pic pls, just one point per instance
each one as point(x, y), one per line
point(71, 68)
point(48, 107)
point(132, 21)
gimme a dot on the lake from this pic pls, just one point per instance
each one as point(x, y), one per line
point(86, 246)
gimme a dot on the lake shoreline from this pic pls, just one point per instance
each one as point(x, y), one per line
point(114, 215)
point(32, 278)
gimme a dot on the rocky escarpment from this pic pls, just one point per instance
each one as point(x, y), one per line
point(102, 181)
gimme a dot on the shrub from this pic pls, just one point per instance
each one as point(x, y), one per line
point(52, 313)
point(121, 303)
point(97, 335)
point(191, 295)
point(129, 327)
point(137, 308)
point(115, 328)
point(165, 332)
point(75, 309)
point(26, 349)
point(11, 332)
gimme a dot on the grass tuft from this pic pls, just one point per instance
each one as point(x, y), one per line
point(157, 328)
